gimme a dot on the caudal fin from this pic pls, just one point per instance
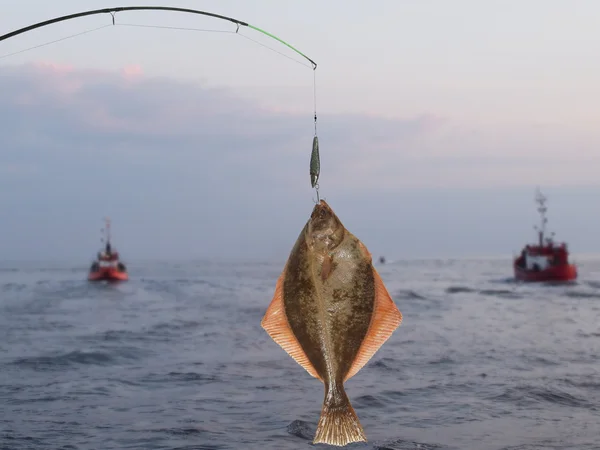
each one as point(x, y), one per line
point(339, 424)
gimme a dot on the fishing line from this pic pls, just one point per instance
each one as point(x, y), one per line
point(53, 42)
point(315, 167)
point(215, 31)
point(273, 50)
point(205, 30)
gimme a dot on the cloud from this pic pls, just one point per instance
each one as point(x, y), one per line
point(132, 70)
point(50, 108)
point(188, 163)
point(63, 109)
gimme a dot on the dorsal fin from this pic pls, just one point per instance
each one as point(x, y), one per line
point(275, 323)
point(386, 318)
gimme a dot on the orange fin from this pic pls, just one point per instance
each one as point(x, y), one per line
point(326, 267)
point(275, 323)
point(386, 318)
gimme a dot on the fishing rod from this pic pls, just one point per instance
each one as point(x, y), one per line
point(113, 11)
point(314, 160)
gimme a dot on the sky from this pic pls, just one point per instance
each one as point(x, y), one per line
point(436, 121)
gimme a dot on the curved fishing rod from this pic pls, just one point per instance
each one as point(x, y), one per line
point(113, 11)
point(315, 158)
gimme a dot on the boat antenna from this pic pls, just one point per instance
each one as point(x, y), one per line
point(107, 227)
point(540, 199)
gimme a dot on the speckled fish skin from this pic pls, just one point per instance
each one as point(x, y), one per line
point(331, 313)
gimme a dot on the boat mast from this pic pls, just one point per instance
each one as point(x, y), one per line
point(541, 201)
point(107, 219)
point(106, 238)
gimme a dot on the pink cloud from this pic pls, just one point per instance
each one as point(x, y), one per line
point(49, 66)
point(132, 71)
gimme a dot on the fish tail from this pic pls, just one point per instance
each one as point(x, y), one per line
point(338, 424)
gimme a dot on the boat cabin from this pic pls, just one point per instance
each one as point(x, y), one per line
point(105, 256)
point(535, 257)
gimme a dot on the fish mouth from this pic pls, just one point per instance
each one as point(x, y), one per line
point(321, 210)
point(325, 231)
point(322, 215)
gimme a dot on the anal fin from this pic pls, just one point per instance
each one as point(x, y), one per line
point(275, 323)
point(386, 318)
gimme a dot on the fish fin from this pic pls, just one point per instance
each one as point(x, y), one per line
point(275, 323)
point(386, 318)
point(326, 267)
point(338, 424)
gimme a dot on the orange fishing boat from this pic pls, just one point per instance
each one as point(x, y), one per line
point(546, 261)
point(107, 265)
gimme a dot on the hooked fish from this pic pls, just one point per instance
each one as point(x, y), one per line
point(331, 312)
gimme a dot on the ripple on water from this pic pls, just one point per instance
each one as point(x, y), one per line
point(539, 395)
point(60, 361)
point(192, 378)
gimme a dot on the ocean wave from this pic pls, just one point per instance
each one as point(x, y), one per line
point(532, 395)
point(78, 357)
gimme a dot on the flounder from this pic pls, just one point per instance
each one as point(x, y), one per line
point(331, 312)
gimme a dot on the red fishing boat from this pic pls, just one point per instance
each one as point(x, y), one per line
point(107, 265)
point(546, 261)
